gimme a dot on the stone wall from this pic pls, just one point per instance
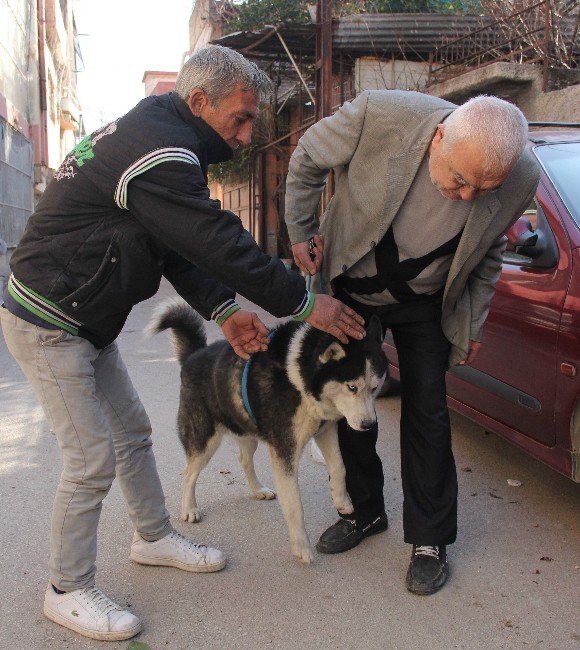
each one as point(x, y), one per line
point(556, 106)
point(522, 85)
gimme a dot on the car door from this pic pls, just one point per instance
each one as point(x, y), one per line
point(513, 380)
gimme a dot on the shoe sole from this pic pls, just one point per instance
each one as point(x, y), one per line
point(55, 617)
point(433, 590)
point(330, 551)
point(425, 592)
point(176, 564)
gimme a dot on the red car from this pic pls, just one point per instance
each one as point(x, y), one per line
point(525, 382)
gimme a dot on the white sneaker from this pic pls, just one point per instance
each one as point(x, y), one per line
point(90, 613)
point(177, 551)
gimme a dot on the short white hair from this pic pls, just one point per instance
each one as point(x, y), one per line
point(218, 71)
point(496, 126)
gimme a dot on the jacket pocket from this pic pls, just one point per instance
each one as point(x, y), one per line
point(77, 299)
point(127, 275)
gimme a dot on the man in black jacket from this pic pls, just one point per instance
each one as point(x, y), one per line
point(129, 205)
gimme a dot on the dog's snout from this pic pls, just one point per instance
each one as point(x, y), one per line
point(365, 425)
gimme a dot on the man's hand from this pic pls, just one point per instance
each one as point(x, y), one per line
point(473, 350)
point(301, 252)
point(246, 333)
point(332, 316)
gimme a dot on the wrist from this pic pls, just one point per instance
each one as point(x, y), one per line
point(305, 308)
point(223, 311)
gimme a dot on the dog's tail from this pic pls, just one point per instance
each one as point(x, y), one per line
point(186, 325)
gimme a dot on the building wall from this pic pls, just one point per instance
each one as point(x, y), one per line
point(520, 84)
point(556, 106)
point(63, 105)
point(158, 83)
point(39, 109)
point(52, 157)
point(376, 74)
point(38, 82)
point(204, 24)
point(19, 113)
point(16, 191)
point(19, 91)
point(235, 197)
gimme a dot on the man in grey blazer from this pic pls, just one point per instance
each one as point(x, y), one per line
point(424, 191)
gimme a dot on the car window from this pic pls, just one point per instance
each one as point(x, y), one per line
point(561, 162)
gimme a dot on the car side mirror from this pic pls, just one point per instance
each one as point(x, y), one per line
point(521, 234)
point(537, 244)
point(526, 243)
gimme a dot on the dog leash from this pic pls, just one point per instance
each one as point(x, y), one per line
point(245, 374)
point(312, 254)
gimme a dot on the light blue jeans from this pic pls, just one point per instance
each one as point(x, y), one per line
point(102, 431)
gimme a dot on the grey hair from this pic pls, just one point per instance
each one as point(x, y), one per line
point(496, 126)
point(218, 71)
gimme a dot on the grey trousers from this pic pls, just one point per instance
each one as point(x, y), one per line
point(102, 430)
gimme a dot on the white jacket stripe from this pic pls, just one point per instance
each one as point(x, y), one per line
point(146, 162)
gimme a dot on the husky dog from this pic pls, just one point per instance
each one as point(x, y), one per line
point(305, 382)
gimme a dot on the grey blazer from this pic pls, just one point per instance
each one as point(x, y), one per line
point(375, 145)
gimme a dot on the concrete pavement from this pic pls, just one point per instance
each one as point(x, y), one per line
point(515, 568)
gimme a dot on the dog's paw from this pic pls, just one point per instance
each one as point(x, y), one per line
point(341, 501)
point(265, 494)
point(193, 515)
point(344, 506)
point(303, 552)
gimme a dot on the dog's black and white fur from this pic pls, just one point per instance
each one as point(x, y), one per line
point(299, 388)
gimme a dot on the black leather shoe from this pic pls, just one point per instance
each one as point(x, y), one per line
point(428, 570)
point(344, 535)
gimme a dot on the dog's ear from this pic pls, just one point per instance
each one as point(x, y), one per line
point(374, 329)
point(334, 352)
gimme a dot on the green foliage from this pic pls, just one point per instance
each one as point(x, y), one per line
point(254, 14)
point(422, 6)
point(249, 15)
point(234, 170)
point(138, 645)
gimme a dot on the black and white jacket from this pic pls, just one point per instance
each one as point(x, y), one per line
point(129, 205)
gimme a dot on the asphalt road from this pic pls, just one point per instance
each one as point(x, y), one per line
point(515, 578)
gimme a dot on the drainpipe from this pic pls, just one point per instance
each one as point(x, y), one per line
point(326, 29)
point(324, 19)
point(324, 50)
point(40, 183)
